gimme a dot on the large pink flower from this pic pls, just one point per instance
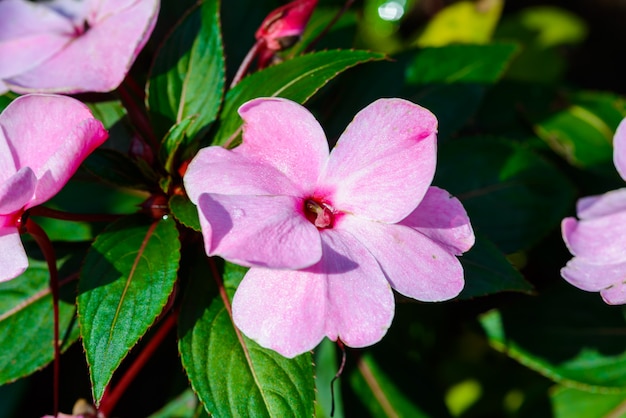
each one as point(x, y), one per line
point(597, 240)
point(328, 236)
point(43, 140)
point(70, 46)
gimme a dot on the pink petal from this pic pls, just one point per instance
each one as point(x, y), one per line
point(384, 161)
point(266, 231)
point(97, 60)
point(615, 295)
point(52, 135)
point(17, 191)
point(442, 218)
point(415, 266)
point(619, 149)
point(29, 34)
point(285, 135)
point(593, 277)
point(597, 240)
point(606, 204)
point(12, 255)
point(284, 310)
point(217, 170)
point(7, 164)
point(360, 301)
point(291, 311)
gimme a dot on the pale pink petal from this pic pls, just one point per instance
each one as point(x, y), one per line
point(17, 191)
point(615, 295)
point(593, 277)
point(284, 310)
point(52, 135)
point(415, 265)
point(384, 162)
point(29, 34)
point(12, 255)
point(344, 296)
point(284, 134)
point(7, 163)
point(442, 218)
point(217, 170)
point(606, 204)
point(97, 60)
point(619, 149)
point(598, 240)
point(360, 300)
point(266, 231)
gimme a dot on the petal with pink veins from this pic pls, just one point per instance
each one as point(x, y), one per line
point(52, 135)
point(442, 218)
point(96, 60)
point(12, 255)
point(384, 161)
point(598, 240)
point(619, 149)
point(217, 170)
point(285, 135)
point(17, 191)
point(593, 277)
point(415, 265)
point(615, 295)
point(265, 231)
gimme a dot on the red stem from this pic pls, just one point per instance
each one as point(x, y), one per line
point(247, 61)
point(109, 400)
point(77, 217)
point(128, 92)
point(44, 243)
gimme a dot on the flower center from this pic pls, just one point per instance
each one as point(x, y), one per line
point(319, 214)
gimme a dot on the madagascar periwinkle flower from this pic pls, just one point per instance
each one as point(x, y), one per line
point(327, 236)
point(43, 140)
point(71, 46)
point(597, 238)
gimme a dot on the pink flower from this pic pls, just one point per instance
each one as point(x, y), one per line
point(598, 239)
point(328, 236)
point(282, 27)
point(43, 140)
point(70, 46)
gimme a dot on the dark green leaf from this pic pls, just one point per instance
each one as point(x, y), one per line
point(26, 321)
point(116, 168)
point(112, 114)
point(297, 79)
point(184, 405)
point(488, 271)
point(126, 280)
point(174, 138)
point(185, 212)
point(574, 403)
point(187, 77)
point(232, 375)
point(566, 334)
point(504, 189)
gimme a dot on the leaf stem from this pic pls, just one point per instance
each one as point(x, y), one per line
point(42, 240)
point(77, 217)
point(110, 399)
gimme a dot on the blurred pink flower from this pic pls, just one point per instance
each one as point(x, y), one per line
point(43, 140)
point(70, 46)
point(328, 236)
point(597, 239)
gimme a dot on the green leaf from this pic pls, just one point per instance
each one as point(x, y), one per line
point(462, 22)
point(488, 271)
point(187, 76)
point(574, 403)
point(185, 405)
point(112, 114)
point(115, 168)
point(26, 321)
point(326, 367)
point(127, 278)
point(582, 132)
point(452, 80)
point(185, 212)
point(174, 138)
point(503, 187)
point(231, 374)
point(566, 334)
point(379, 393)
point(297, 79)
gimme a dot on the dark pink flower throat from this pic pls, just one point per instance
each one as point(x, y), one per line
point(319, 214)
